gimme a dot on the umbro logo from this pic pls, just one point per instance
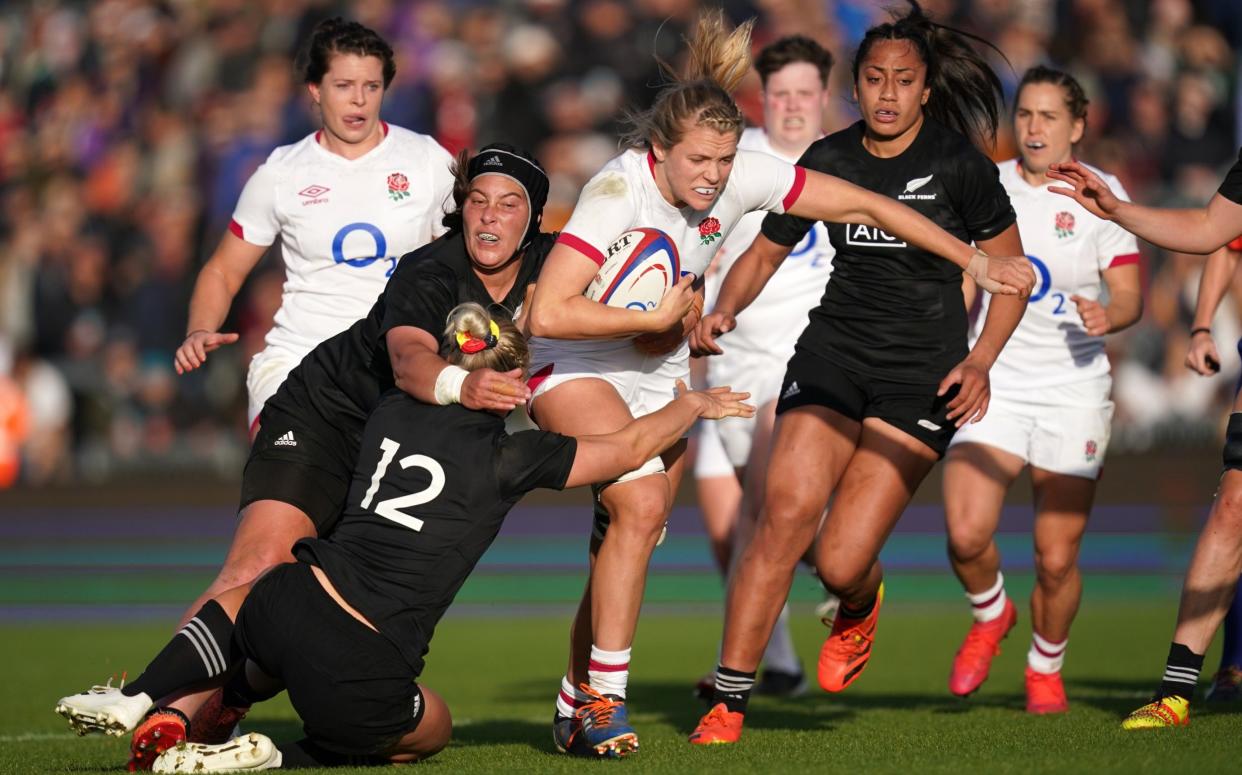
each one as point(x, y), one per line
point(915, 185)
point(314, 194)
point(791, 391)
point(494, 161)
point(286, 441)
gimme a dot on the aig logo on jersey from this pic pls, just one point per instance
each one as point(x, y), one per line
point(870, 237)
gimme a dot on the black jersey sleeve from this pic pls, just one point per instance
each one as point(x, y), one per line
point(981, 199)
point(532, 459)
point(1231, 188)
point(421, 297)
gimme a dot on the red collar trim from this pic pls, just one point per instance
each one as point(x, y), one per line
point(651, 163)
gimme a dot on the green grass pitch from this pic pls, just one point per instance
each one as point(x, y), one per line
point(499, 673)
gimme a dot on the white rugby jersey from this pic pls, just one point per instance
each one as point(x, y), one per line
point(623, 195)
point(773, 321)
point(343, 224)
point(1070, 249)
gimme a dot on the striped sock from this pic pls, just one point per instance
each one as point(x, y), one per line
point(609, 671)
point(1181, 672)
point(200, 650)
point(570, 698)
point(1046, 656)
point(732, 688)
point(989, 604)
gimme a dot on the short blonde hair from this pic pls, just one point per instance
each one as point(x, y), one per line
point(719, 59)
point(508, 351)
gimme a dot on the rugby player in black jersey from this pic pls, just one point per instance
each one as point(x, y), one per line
point(301, 460)
point(345, 627)
point(882, 376)
point(1212, 578)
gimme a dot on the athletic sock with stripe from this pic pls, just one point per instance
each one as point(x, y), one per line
point(200, 650)
point(1181, 672)
point(733, 688)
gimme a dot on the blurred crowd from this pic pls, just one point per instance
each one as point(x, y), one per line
point(128, 127)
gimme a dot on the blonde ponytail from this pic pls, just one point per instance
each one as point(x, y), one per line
point(473, 339)
point(718, 61)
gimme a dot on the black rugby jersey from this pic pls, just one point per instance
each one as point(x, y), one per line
point(432, 486)
point(343, 377)
point(892, 311)
point(1231, 187)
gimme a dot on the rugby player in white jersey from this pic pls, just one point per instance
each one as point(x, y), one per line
point(345, 202)
point(1050, 409)
point(794, 72)
point(683, 175)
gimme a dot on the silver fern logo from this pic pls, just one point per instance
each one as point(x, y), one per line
point(915, 185)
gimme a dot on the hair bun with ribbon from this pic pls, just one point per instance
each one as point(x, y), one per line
point(471, 344)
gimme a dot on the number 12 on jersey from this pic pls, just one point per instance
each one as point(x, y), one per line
point(391, 508)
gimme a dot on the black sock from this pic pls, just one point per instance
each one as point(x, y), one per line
point(1181, 672)
point(307, 753)
point(732, 688)
point(861, 612)
point(200, 650)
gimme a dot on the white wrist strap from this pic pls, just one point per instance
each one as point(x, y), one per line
point(448, 385)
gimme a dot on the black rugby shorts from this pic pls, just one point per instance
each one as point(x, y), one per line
point(303, 461)
point(913, 408)
point(349, 684)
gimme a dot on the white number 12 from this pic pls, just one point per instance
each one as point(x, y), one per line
point(391, 508)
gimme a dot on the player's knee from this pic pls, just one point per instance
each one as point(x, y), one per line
point(1055, 566)
point(641, 514)
point(789, 516)
point(843, 576)
point(967, 544)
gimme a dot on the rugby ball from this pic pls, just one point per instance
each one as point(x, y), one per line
point(641, 265)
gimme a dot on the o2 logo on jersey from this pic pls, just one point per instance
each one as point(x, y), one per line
point(807, 247)
point(1044, 285)
point(381, 247)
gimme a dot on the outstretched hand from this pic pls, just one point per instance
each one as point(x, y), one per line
point(1086, 188)
point(718, 402)
point(193, 351)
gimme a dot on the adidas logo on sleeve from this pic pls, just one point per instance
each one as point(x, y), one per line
point(286, 441)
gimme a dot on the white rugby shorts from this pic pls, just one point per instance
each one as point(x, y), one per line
point(758, 374)
point(267, 372)
point(1067, 437)
point(646, 383)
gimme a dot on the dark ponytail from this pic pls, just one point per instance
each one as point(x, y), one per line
point(966, 95)
point(338, 36)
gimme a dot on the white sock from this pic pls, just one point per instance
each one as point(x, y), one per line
point(570, 698)
point(609, 671)
point(990, 604)
point(1046, 656)
point(779, 654)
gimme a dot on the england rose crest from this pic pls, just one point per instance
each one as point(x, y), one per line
point(398, 187)
point(1065, 224)
point(709, 230)
point(1090, 451)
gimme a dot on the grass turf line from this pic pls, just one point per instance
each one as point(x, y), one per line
point(499, 675)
